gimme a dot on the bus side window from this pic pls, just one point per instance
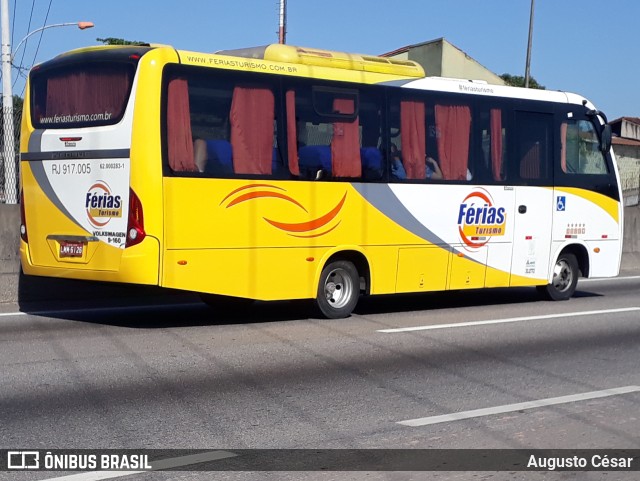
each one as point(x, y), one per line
point(413, 140)
point(534, 144)
point(248, 148)
point(221, 124)
point(453, 135)
point(370, 119)
point(207, 108)
point(434, 141)
point(252, 123)
point(493, 139)
point(180, 151)
point(345, 143)
point(325, 135)
point(581, 152)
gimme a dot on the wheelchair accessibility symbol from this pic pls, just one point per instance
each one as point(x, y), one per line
point(561, 203)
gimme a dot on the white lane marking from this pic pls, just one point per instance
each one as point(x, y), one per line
point(519, 406)
point(9, 314)
point(605, 279)
point(155, 465)
point(504, 321)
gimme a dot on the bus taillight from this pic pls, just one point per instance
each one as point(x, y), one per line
point(23, 221)
point(135, 226)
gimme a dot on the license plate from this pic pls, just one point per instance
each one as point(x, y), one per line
point(71, 249)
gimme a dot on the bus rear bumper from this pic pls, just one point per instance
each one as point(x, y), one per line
point(139, 265)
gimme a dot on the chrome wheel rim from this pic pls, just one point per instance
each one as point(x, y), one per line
point(562, 276)
point(338, 288)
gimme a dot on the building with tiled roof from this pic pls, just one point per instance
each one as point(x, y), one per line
point(626, 131)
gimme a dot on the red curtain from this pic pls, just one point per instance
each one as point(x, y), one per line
point(530, 163)
point(563, 153)
point(412, 136)
point(96, 91)
point(179, 140)
point(496, 144)
point(453, 123)
point(345, 145)
point(292, 134)
point(252, 115)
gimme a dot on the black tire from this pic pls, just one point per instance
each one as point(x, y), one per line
point(338, 290)
point(565, 279)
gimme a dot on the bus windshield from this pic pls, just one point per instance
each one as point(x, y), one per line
point(80, 95)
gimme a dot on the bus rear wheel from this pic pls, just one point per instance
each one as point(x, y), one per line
point(564, 281)
point(338, 290)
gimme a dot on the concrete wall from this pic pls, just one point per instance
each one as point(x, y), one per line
point(457, 64)
point(440, 58)
point(9, 257)
point(18, 288)
point(429, 56)
point(630, 130)
point(631, 243)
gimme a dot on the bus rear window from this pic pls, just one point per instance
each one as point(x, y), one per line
point(80, 95)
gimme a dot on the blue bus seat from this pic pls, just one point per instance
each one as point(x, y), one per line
point(219, 157)
point(313, 158)
point(371, 163)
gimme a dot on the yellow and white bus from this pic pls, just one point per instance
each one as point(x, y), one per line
point(282, 172)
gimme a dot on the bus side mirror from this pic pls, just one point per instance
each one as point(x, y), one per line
point(605, 142)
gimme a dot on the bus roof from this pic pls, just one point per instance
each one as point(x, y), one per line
point(327, 58)
point(476, 87)
point(345, 66)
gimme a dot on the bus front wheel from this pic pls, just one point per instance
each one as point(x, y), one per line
point(338, 290)
point(565, 279)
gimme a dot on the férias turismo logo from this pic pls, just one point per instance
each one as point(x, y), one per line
point(479, 219)
point(102, 205)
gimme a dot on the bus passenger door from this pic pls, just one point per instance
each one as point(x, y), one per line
point(534, 198)
point(500, 234)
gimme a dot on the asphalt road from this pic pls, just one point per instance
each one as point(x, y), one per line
point(480, 369)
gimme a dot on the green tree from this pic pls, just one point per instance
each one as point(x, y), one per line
point(17, 104)
point(17, 114)
point(119, 41)
point(518, 81)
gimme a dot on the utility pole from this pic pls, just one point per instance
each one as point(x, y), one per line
point(11, 196)
point(282, 30)
point(528, 66)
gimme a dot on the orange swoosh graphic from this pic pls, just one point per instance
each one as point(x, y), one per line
point(312, 224)
point(263, 193)
point(97, 223)
point(250, 186)
point(316, 235)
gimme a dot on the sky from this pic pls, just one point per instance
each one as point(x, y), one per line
point(582, 46)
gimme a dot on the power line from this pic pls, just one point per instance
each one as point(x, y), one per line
point(39, 40)
point(13, 24)
point(33, 4)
